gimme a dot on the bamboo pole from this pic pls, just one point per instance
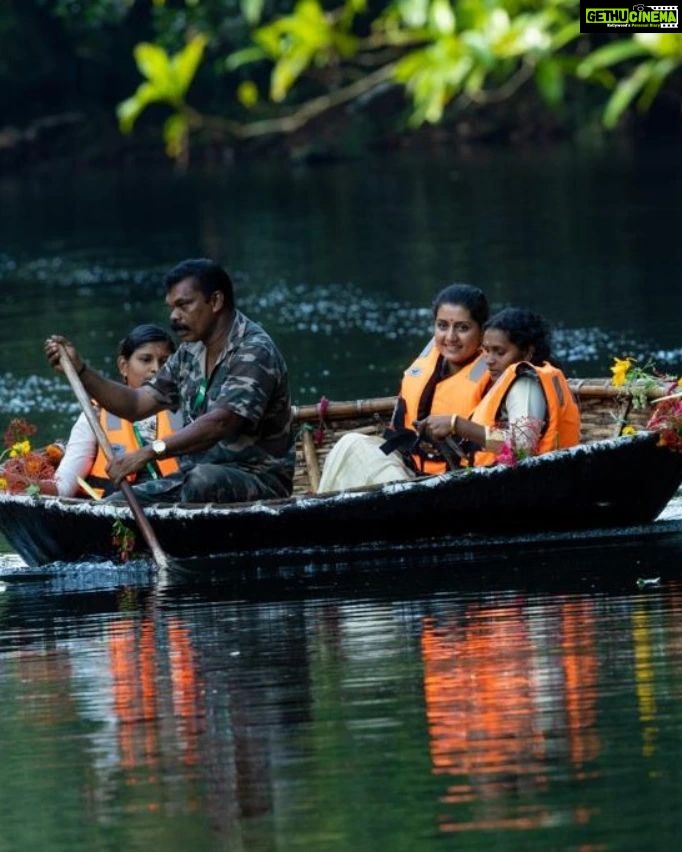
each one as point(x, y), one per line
point(311, 462)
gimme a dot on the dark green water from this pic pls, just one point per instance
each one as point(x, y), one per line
point(341, 262)
point(533, 703)
point(410, 701)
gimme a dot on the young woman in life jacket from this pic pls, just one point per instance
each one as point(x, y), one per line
point(448, 377)
point(140, 355)
point(528, 407)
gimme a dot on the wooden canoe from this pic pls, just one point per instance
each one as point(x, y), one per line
point(608, 481)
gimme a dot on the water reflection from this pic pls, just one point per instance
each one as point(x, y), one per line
point(504, 709)
point(153, 717)
point(324, 721)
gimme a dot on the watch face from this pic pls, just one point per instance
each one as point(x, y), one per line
point(159, 447)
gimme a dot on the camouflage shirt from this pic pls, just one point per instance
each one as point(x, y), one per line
point(250, 378)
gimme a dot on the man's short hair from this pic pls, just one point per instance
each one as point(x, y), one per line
point(208, 275)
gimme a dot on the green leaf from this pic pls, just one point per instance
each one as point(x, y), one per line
point(268, 40)
point(479, 47)
point(475, 80)
point(251, 10)
point(152, 61)
point(244, 57)
point(565, 34)
point(661, 44)
point(307, 28)
point(610, 54)
point(351, 8)
point(185, 63)
point(247, 94)
point(414, 13)
point(625, 92)
point(441, 17)
point(549, 79)
point(127, 113)
point(286, 72)
point(661, 69)
point(129, 110)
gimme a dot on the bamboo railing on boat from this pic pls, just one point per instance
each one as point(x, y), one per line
point(605, 410)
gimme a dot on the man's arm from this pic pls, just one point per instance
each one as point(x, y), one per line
point(217, 425)
point(113, 396)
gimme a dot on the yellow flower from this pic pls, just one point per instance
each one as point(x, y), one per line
point(628, 430)
point(3, 484)
point(621, 368)
point(679, 382)
point(21, 448)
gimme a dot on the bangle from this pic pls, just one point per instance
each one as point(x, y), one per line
point(83, 368)
point(453, 424)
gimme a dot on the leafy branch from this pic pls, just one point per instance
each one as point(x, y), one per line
point(437, 51)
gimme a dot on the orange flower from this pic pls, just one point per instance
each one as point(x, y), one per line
point(33, 464)
point(54, 453)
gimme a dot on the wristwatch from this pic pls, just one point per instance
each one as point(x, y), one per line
point(159, 447)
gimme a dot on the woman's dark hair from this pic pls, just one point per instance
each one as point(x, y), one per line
point(141, 334)
point(208, 276)
point(525, 329)
point(468, 297)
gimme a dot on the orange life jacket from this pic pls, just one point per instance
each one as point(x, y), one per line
point(562, 423)
point(456, 394)
point(123, 440)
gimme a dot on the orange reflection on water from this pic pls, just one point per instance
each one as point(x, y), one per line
point(185, 688)
point(140, 665)
point(493, 690)
point(579, 663)
point(479, 699)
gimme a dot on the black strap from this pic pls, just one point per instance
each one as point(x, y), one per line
point(451, 452)
point(407, 443)
point(403, 440)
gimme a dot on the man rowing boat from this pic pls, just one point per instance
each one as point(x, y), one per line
point(230, 382)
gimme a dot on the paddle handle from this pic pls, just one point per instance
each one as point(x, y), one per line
point(160, 558)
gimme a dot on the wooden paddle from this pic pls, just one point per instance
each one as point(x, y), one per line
point(159, 556)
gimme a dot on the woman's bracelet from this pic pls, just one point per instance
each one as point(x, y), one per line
point(453, 424)
point(83, 368)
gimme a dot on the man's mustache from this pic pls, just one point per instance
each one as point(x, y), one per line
point(176, 326)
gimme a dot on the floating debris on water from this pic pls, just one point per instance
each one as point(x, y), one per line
point(644, 582)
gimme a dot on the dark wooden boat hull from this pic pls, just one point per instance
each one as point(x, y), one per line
point(612, 483)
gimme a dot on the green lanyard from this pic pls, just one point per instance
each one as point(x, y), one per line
point(200, 396)
point(151, 468)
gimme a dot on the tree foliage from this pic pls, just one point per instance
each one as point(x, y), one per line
point(440, 52)
point(247, 68)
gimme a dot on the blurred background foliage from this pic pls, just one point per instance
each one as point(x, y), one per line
point(307, 76)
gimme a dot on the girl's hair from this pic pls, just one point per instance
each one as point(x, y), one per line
point(141, 334)
point(468, 297)
point(525, 329)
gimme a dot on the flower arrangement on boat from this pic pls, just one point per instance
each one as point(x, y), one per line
point(22, 468)
point(640, 379)
point(522, 441)
point(667, 421)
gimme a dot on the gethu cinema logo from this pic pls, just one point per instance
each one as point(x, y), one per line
point(639, 15)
